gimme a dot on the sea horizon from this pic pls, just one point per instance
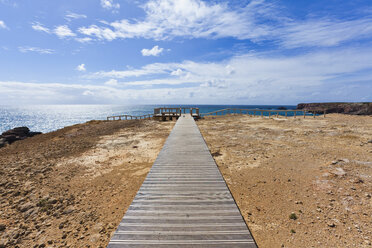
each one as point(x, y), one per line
point(51, 117)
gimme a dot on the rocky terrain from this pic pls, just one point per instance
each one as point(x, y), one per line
point(71, 187)
point(298, 182)
point(353, 108)
point(18, 133)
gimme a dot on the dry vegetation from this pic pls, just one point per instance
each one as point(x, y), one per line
point(70, 188)
point(298, 182)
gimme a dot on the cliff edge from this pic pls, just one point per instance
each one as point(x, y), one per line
point(352, 108)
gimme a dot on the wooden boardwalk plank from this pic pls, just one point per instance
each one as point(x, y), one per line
point(184, 201)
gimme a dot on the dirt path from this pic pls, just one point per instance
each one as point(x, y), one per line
point(298, 182)
point(70, 188)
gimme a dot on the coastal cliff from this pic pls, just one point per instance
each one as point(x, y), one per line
point(353, 108)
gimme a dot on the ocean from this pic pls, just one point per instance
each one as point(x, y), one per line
point(47, 118)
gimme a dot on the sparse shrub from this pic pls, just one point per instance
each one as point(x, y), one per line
point(44, 205)
point(293, 231)
point(293, 216)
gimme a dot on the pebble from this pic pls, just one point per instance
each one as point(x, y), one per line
point(331, 224)
point(69, 210)
point(26, 206)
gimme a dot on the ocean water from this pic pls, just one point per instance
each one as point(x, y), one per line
point(46, 118)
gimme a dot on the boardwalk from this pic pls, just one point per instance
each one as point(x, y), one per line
point(184, 201)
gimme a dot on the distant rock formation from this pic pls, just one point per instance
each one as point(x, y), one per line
point(352, 108)
point(18, 133)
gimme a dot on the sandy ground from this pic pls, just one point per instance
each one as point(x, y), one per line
point(298, 182)
point(70, 188)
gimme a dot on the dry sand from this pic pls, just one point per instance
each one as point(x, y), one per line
point(70, 188)
point(298, 182)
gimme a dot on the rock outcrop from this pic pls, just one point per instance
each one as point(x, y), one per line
point(353, 108)
point(18, 133)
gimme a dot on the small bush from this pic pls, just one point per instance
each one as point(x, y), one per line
point(293, 231)
point(44, 205)
point(293, 216)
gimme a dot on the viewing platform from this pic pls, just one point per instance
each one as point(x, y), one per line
point(170, 113)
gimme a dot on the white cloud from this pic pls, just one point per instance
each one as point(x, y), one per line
point(11, 3)
point(100, 33)
point(36, 49)
point(40, 27)
point(81, 67)
point(260, 78)
point(151, 69)
point(112, 82)
point(84, 40)
point(155, 51)
point(109, 4)
point(257, 21)
point(177, 72)
point(63, 31)
point(253, 78)
point(2, 25)
point(324, 32)
point(71, 16)
point(166, 19)
point(88, 93)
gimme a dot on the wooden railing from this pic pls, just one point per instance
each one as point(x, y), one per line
point(130, 117)
point(251, 112)
point(176, 111)
point(264, 112)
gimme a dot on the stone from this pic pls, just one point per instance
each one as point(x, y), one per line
point(332, 224)
point(339, 172)
point(10, 138)
point(355, 108)
point(69, 210)
point(94, 238)
point(3, 142)
point(26, 206)
point(32, 134)
point(18, 131)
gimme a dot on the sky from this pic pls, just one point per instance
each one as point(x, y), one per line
point(185, 51)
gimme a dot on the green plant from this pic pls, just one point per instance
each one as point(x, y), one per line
point(44, 205)
point(293, 216)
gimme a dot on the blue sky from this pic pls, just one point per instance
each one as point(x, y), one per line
point(185, 51)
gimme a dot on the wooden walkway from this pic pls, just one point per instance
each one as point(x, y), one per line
point(184, 201)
